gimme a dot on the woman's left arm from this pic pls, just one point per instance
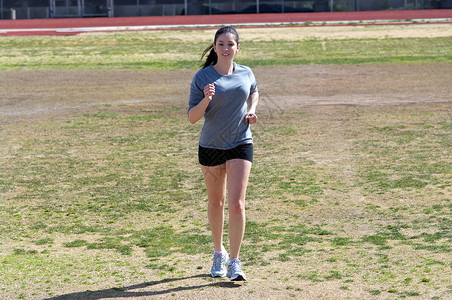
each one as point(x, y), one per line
point(251, 104)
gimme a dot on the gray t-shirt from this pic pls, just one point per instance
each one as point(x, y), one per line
point(224, 120)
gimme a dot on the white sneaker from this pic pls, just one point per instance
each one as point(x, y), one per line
point(219, 263)
point(235, 271)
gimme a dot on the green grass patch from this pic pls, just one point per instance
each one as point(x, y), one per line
point(155, 51)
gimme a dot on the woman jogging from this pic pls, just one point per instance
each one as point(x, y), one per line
point(225, 93)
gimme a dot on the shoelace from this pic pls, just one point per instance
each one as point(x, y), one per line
point(217, 261)
point(235, 265)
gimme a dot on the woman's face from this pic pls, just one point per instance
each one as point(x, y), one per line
point(226, 46)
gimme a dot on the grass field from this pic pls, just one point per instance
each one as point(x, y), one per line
point(104, 198)
point(274, 46)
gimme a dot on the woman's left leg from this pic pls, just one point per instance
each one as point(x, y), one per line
point(238, 171)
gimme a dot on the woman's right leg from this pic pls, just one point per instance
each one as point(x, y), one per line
point(215, 180)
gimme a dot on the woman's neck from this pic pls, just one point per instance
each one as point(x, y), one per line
point(224, 68)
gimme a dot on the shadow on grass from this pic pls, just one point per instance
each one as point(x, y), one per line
point(128, 291)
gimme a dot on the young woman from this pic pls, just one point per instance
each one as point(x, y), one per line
point(225, 93)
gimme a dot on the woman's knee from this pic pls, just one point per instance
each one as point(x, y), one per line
point(217, 202)
point(236, 206)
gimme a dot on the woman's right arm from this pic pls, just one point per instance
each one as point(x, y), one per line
point(197, 112)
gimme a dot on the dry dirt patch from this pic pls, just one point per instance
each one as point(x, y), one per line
point(346, 32)
point(28, 94)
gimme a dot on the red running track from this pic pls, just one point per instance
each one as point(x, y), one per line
point(50, 24)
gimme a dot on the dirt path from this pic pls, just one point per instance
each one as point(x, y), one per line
point(33, 94)
point(374, 85)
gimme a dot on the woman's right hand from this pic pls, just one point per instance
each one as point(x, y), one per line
point(209, 91)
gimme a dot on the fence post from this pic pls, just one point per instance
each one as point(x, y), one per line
point(81, 8)
point(111, 9)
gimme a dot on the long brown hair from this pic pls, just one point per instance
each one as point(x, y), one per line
point(212, 56)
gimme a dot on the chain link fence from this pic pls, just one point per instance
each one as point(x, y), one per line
point(12, 9)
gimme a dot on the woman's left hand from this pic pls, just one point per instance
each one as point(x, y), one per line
point(251, 118)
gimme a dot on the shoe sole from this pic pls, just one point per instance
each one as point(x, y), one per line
point(239, 278)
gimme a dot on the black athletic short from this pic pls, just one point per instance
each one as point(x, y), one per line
point(214, 157)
